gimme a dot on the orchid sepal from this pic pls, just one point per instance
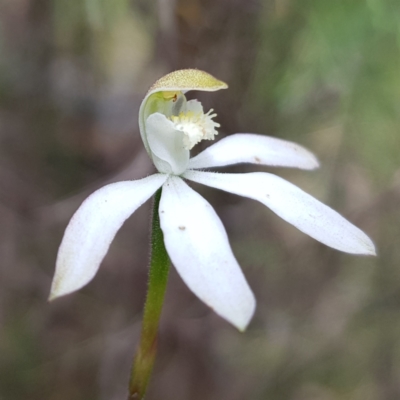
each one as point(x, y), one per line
point(93, 227)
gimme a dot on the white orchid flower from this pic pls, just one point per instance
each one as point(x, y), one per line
point(194, 236)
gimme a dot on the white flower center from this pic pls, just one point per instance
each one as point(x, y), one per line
point(196, 126)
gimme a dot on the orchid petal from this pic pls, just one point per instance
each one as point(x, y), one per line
point(166, 144)
point(198, 246)
point(92, 229)
point(254, 149)
point(294, 206)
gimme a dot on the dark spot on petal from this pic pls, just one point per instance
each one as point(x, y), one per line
point(182, 228)
point(162, 211)
point(257, 160)
point(267, 195)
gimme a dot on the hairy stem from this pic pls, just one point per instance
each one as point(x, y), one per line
point(158, 277)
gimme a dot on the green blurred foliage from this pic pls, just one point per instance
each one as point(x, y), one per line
point(336, 63)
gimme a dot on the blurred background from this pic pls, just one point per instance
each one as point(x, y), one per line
point(325, 74)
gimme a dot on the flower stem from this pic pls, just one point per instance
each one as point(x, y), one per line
point(158, 276)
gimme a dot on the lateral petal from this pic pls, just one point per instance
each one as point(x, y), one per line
point(93, 227)
point(294, 206)
point(166, 144)
point(254, 149)
point(198, 246)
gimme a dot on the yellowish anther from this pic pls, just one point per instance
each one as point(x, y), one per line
point(170, 95)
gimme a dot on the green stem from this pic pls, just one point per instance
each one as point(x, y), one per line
point(158, 276)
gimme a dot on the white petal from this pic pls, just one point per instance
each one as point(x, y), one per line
point(92, 229)
point(166, 143)
point(293, 205)
point(198, 246)
point(254, 149)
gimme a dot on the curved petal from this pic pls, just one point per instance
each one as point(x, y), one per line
point(198, 246)
point(92, 229)
point(294, 206)
point(254, 149)
point(166, 143)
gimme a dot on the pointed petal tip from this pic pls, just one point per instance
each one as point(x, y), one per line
point(370, 249)
point(243, 321)
point(366, 246)
point(243, 327)
point(312, 162)
point(55, 293)
point(315, 163)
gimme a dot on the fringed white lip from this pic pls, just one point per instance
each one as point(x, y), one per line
point(195, 125)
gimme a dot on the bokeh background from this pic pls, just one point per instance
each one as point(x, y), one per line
point(322, 73)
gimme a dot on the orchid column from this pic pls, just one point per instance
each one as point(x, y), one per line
point(185, 226)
